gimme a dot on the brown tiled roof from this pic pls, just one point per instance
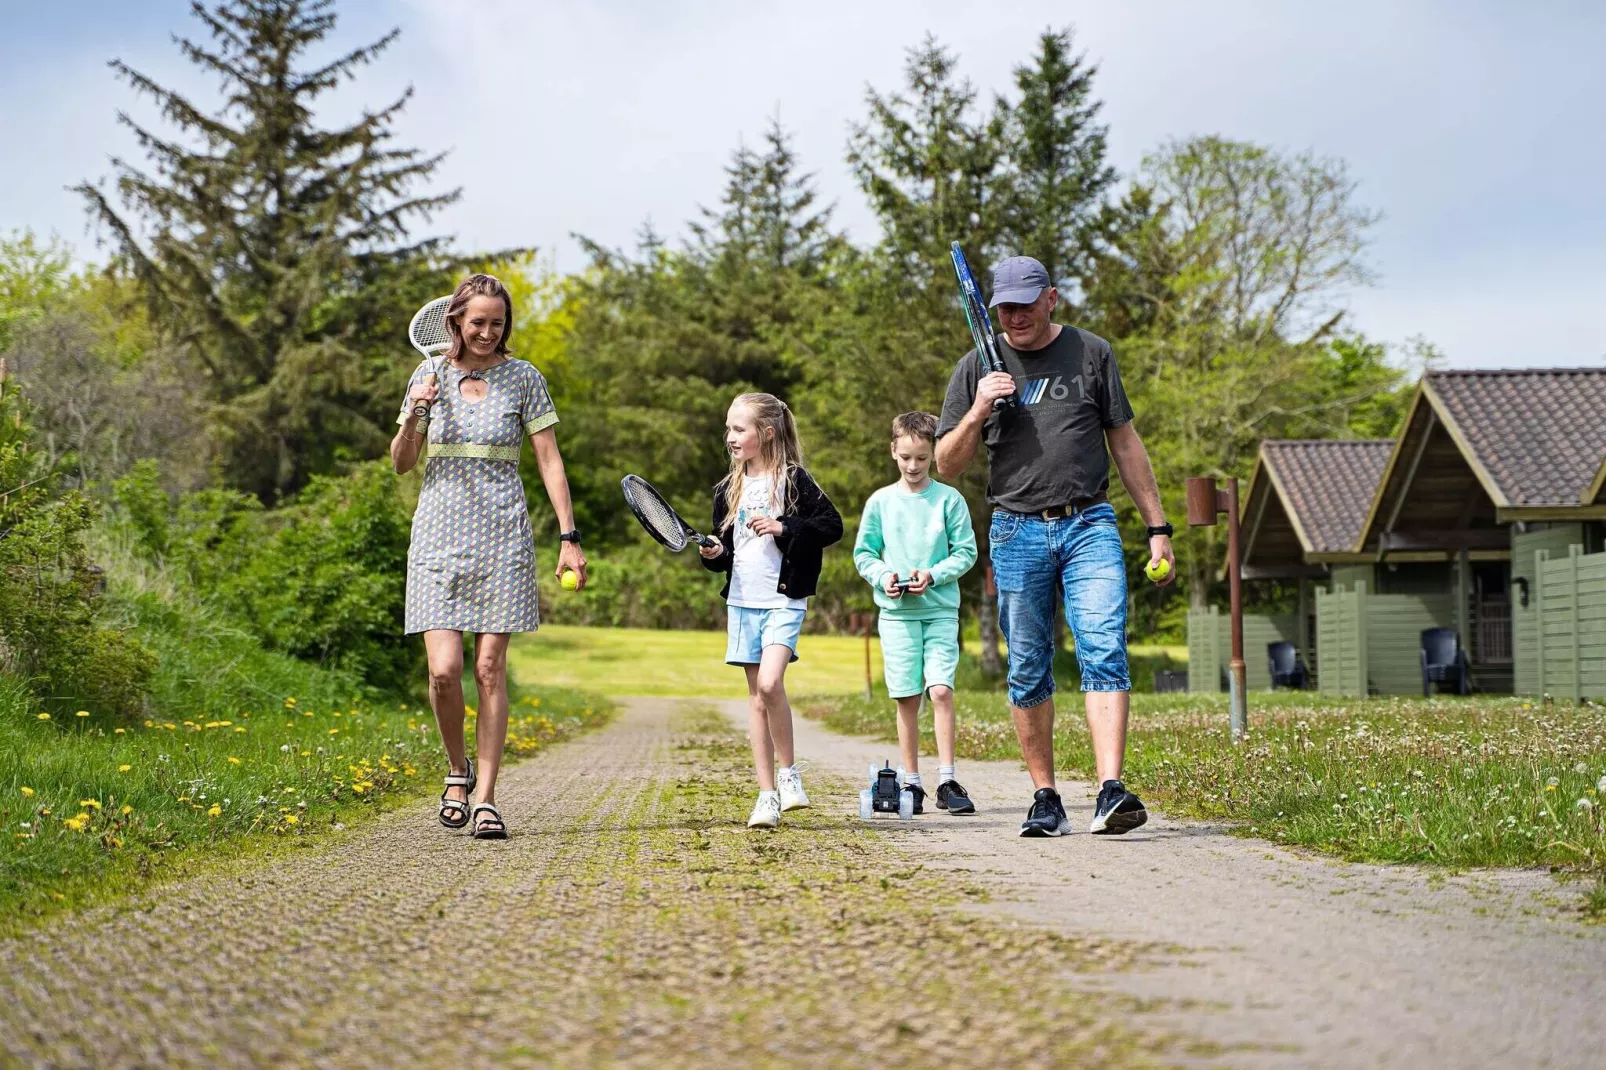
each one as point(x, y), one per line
point(1540, 434)
point(1327, 485)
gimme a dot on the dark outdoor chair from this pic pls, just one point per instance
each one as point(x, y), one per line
point(1170, 680)
point(1444, 662)
point(1287, 670)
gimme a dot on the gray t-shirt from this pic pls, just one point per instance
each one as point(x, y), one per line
point(1049, 451)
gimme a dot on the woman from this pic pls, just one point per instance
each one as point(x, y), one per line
point(471, 566)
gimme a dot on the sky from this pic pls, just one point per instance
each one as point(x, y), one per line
point(1475, 128)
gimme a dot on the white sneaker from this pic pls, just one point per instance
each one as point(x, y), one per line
point(793, 797)
point(766, 812)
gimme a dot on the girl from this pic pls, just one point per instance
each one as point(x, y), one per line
point(471, 565)
point(773, 522)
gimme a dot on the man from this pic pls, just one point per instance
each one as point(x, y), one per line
point(1053, 526)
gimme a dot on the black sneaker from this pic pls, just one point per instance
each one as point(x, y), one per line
point(1117, 810)
point(953, 798)
point(1047, 815)
point(920, 796)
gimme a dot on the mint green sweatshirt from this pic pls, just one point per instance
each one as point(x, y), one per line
point(901, 532)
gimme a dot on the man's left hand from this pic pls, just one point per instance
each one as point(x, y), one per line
point(1160, 550)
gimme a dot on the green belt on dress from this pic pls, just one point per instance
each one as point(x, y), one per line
point(474, 449)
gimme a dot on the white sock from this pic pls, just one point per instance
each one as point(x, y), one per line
point(771, 792)
point(912, 778)
point(787, 770)
point(945, 773)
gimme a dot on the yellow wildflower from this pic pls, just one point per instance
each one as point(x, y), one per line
point(77, 822)
point(289, 819)
point(90, 802)
point(239, 729)
point(233, 760)
point(290, 703)
point(124, 768)
point(83, 713)
point(358, 788)
point(334, 731)
point(150, 724)
point(306, 754)
point(126, 810)
point(214, 811)
point(44, 716)
point(118, 731)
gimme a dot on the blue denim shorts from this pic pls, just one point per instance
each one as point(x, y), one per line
point(749, 631)
point(1081, 554)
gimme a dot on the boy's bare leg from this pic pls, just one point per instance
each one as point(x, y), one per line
point(942, 717)
point(909, 732)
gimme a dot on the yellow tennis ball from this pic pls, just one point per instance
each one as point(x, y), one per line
point(570, 580)
point(1157, 570)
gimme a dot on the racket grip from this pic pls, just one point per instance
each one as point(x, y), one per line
point(421, 408)
point(708, 541)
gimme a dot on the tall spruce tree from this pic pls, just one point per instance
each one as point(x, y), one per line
point(253, 218)
point(1059, 176)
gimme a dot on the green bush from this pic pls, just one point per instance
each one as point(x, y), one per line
point(50, 592)
point(323, 578)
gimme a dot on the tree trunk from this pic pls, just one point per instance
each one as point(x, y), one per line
point(991, 663)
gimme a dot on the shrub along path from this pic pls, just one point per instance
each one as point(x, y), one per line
point(1305, 960)
point(629, 919)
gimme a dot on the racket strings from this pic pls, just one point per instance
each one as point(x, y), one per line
point(428, 329)
point(656, 514)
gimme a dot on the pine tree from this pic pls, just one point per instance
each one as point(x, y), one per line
point(1057, 156)
point(253, 218)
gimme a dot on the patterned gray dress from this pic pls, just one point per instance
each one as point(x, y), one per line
point(471, 565)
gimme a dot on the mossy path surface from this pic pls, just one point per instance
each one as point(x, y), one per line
point(1280, 957)
point(629, 919)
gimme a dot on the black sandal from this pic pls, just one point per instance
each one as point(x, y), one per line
point(492, 828)
point(455, 812)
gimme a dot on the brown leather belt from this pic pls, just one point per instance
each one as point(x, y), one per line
point(1060, 512)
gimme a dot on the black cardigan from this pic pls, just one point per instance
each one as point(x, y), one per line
point(811, 526)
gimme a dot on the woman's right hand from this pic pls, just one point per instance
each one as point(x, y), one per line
point(426, 392)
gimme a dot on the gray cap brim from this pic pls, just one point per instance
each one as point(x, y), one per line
point(1022, 295)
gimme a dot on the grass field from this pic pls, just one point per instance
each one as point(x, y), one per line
point(1487, 781)
point(243, 749)
point(639, 661)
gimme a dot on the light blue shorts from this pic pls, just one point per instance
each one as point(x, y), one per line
point(749, 631)
point(919, 654)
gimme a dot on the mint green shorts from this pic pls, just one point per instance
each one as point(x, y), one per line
point(919, 654)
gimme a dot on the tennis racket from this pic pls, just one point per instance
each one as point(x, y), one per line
point(659, 517)
point(429, 336)
point(981, 324)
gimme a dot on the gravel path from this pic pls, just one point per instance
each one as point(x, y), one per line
point(1284, 959)
point(630, 920)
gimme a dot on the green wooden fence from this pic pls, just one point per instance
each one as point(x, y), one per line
point(1525, 548)
point(1568, 601)
point(1371, 643)
point(1210, 647)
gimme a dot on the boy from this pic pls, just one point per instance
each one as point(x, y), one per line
point(914, 543)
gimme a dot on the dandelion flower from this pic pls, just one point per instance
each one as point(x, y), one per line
point(126, 810)
point(239, 729)
point(214, 810)
point(290, 819)
point(290, 703)
point(90, 802)
point(44, 717)
point(77, 821)
point(233, 760)
point(26, 790)
point(124, 768)
point(83, 713)
point(1584, 806)
point(118, 731)
point(306, 754)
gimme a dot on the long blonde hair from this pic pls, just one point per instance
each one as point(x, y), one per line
point(780, 453)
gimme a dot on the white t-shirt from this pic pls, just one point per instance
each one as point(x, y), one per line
point(756, 566)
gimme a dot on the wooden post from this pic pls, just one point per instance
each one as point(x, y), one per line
point(1538, 599)
point(1205, 503)
point(1573, 553)
point(1364, 683)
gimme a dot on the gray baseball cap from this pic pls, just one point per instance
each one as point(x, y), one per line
point(1018, 280)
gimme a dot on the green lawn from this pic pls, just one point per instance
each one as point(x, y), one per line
point(640, 661)
point(242, 749)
